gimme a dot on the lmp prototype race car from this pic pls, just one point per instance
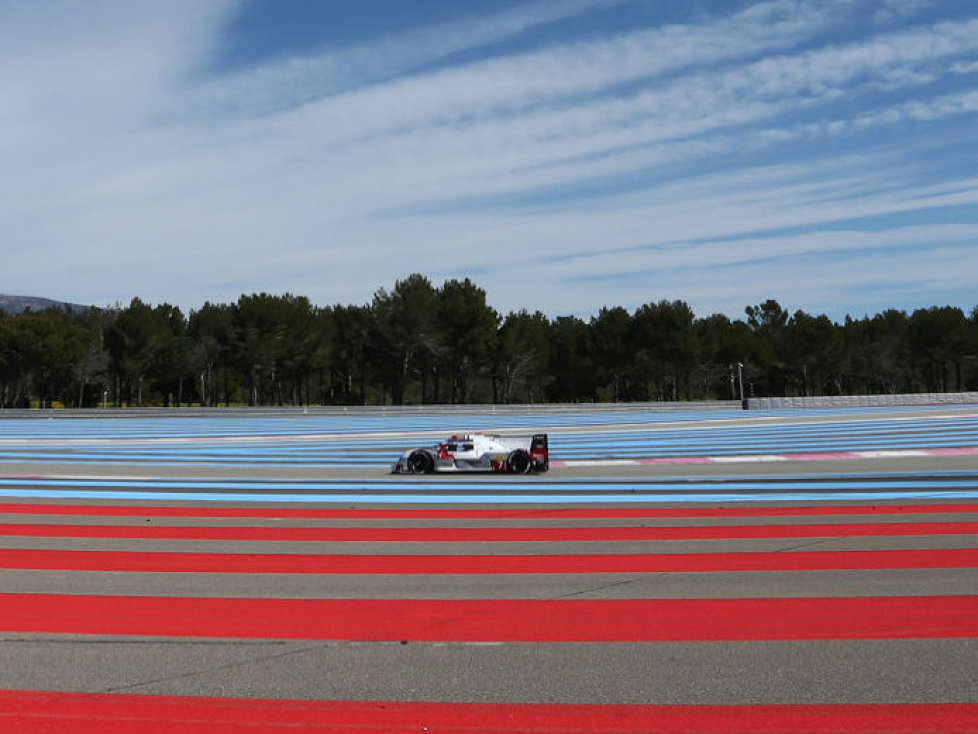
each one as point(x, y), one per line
point(477, 452)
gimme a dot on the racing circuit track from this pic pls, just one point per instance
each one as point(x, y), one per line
point(676, 570)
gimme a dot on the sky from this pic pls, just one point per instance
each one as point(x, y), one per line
point(563, 154)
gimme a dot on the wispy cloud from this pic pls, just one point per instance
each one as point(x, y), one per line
point(298, 79)
point(700, 160)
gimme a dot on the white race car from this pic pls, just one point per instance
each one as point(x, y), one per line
point(471, 452)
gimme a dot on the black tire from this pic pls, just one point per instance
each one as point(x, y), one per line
point(519, 462)
point(420, 462)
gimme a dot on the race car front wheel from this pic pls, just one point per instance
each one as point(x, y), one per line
point(519, 462)
point(420, 463)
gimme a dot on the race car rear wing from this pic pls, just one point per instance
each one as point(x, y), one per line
point(540, 451)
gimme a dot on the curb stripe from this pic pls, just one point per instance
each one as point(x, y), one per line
point(101, 713)
point(763, 458)
point(500, 534)
point(511, 620)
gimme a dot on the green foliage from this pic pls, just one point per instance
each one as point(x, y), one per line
point(571, 365)
point(211, 331)
point(468, 330)
point(419, 343)
point(403, 334)
point(522, 363)
point(609, 344)
point(666, 349)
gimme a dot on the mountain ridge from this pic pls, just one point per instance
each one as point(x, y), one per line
point(18, 304)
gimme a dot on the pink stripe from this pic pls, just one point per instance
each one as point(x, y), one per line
point(821, 456)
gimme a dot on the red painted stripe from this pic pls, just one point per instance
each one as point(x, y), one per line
point(500, 534)
point(487, 514)
point(165, 562)
point(90, 713)
point(564, 620)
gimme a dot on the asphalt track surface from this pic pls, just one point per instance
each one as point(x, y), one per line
point(816, 571)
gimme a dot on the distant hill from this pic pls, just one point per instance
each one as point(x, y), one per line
point(16, 304)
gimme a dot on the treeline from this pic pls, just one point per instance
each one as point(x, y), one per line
point(421, 344)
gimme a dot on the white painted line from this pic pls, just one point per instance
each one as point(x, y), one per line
point(758, 458)
point(83, 477)
point(890, 454)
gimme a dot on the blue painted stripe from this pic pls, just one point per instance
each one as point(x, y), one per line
point(952, 485)
point(492, 498)
point(528, 486)
point(246, 440)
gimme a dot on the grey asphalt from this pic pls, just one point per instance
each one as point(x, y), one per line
point(767, 584)
point(795, 467)
point(816, 671)
point(873, 671)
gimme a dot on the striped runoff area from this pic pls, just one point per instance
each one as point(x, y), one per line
point(521, 490)
point(451, 617)
point(575, 436)
point(115, 714)
point(221, 598)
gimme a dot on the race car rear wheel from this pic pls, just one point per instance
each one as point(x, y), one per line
point(519, 462)
point(420, 462)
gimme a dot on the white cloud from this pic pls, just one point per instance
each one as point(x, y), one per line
point(133, 176)
point(297, 79)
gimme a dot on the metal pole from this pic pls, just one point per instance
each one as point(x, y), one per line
point(740, 380)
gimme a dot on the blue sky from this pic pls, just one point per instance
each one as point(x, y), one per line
point(565, 154)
